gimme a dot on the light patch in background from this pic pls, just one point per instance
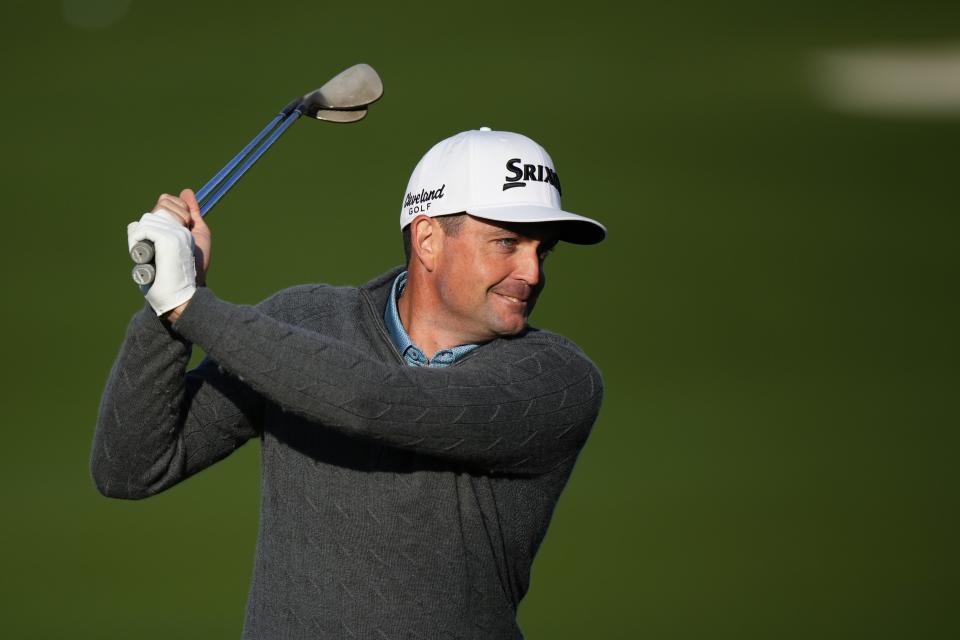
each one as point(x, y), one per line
point(891, 81)
point(94, 14)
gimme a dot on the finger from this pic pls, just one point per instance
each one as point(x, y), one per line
point(166, 200)
point(190, 200)
point(174, 205)
point(197, 223)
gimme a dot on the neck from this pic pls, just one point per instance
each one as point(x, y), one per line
point(427, 328)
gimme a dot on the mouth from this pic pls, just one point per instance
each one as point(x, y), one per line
point(520, 302)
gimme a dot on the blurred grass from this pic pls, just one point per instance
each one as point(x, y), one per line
point(774, 311)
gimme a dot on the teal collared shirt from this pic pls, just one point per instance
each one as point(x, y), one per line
point(411, 353)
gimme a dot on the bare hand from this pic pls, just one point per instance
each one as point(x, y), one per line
point(187, 210)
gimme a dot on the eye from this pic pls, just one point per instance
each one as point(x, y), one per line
point(507, 243)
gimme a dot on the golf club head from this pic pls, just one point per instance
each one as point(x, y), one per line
point(351, 89)
point(340, 116)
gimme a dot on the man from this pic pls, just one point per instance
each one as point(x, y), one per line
point(415, 432)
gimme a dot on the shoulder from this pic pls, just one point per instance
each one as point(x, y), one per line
point(539, 351)
point(535, 340)
point(534, 336)
point(304, 301)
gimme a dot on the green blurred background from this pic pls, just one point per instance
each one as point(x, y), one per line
point(774, 312)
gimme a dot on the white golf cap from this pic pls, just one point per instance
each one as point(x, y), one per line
point(496, 175)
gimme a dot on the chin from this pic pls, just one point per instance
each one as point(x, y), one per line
point(511, 327)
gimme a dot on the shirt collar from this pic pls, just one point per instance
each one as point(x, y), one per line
point(411, 353)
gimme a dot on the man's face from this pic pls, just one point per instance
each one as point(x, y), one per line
point(489, 275)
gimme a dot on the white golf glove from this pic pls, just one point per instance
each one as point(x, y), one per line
point(176, 279)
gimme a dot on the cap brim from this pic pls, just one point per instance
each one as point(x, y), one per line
point(575, 229)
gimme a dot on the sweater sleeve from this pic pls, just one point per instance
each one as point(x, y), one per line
point(158, 425)
point(523, 408)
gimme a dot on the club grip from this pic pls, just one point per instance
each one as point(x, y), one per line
point(142, 253)
point(144, 273)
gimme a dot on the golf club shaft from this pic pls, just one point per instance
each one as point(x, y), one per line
point(217, 179)
point(142, 252)
point(249, 162)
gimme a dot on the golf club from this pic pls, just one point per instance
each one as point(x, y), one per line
point(344, 98)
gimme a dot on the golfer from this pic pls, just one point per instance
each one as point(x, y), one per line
point(415, 432)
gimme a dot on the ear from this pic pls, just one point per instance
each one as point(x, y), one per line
point(426, 241)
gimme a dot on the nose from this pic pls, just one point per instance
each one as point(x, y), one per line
point(528, 267)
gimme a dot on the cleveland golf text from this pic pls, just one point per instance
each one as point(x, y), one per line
point(420, 202)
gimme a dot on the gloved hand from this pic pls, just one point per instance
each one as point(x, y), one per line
point(176, 278)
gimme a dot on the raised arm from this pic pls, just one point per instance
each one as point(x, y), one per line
point(157, 424)
point(520, 405)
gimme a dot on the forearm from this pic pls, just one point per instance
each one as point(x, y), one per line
point(524, 415)
point(157, 424)
point(135, 444)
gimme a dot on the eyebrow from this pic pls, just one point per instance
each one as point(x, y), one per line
point(499, 231)
point(547, 243)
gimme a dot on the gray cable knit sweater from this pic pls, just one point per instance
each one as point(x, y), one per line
point(397, 502)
